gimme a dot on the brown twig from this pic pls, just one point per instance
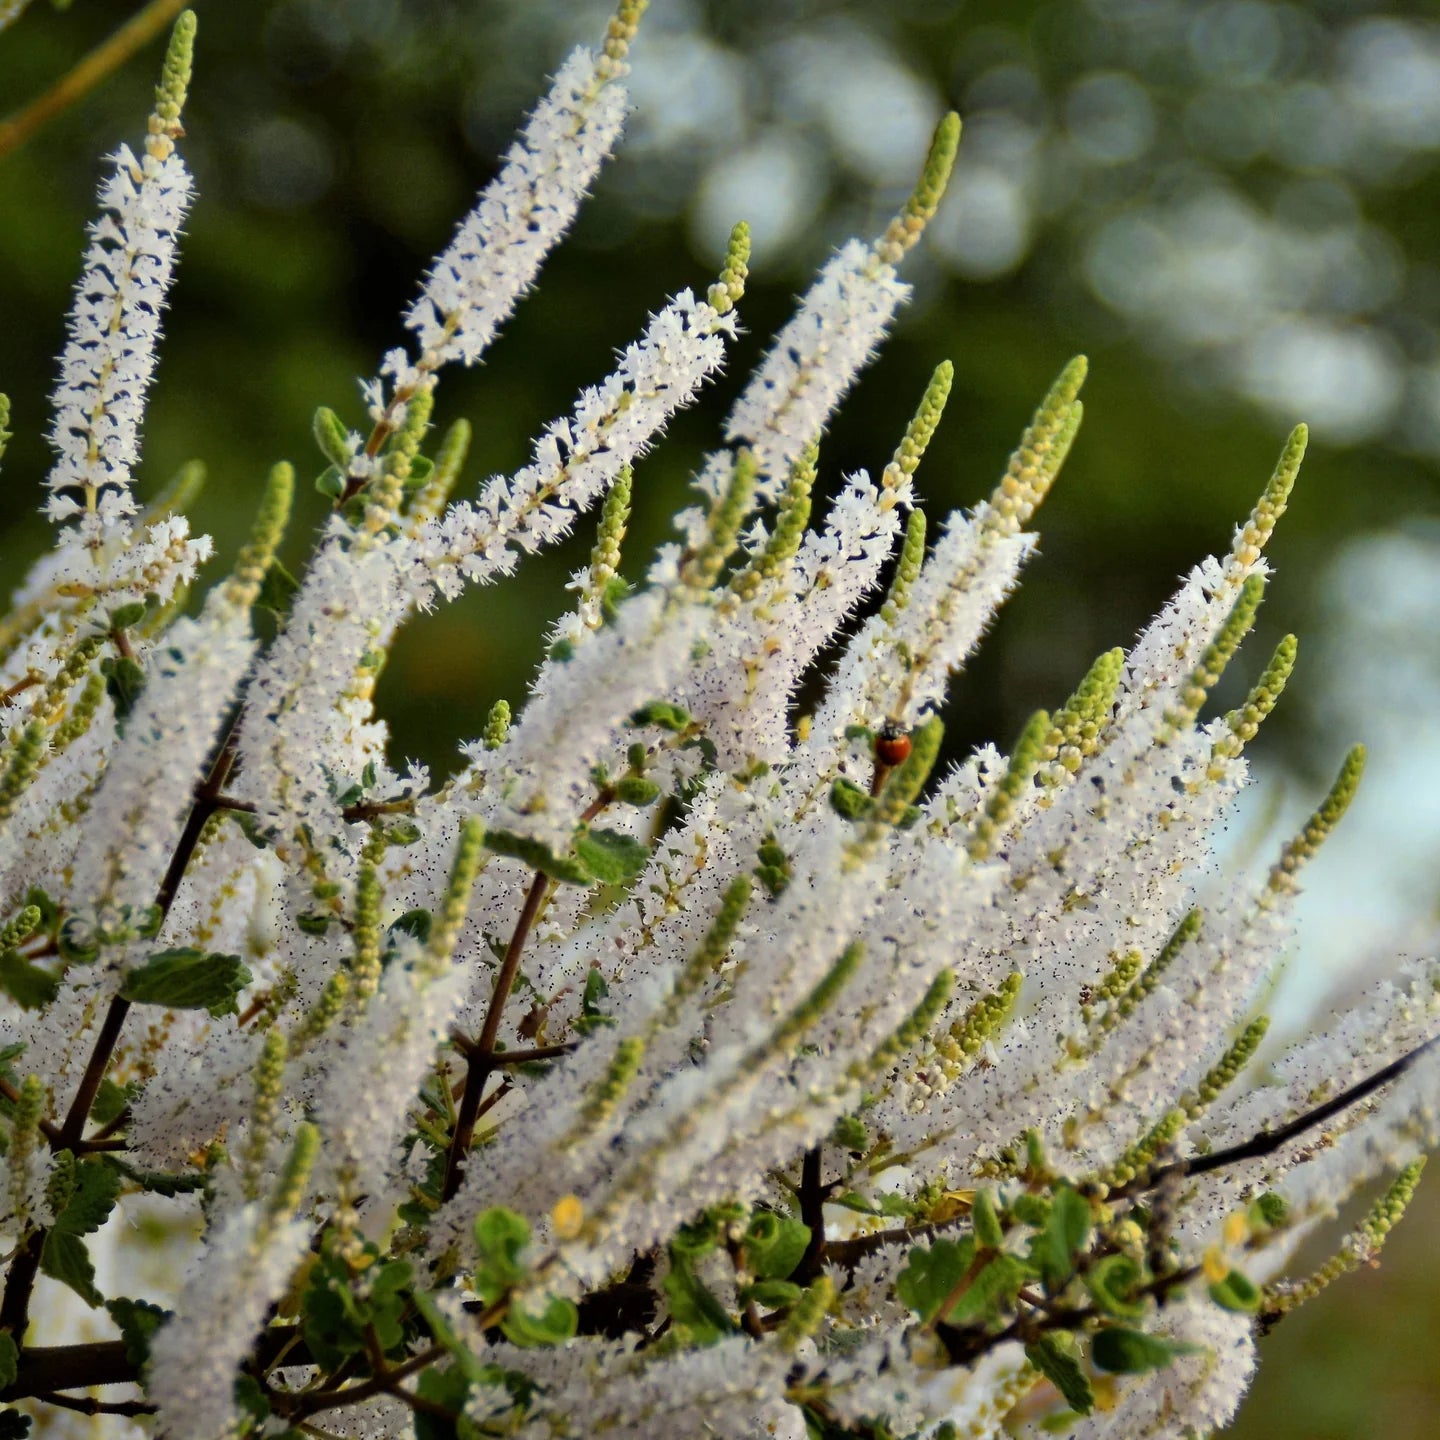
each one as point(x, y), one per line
point(88, 1406)
point(480, 1061)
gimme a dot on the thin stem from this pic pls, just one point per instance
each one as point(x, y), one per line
point(1267, 1142)
point(103, 60)
point(541, 1052)
point(480, 1061)
point(88, 1406)
point(330, 1399)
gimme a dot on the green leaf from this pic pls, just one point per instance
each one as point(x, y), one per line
point(9, 1360)
point(111, 1100)
point(97, 1185)
point(849, 800)
point(1064, 1371)
point(991, 1292)
point(447, 1389)
point(123, 617)
point(986, 1222)
point(662, 713)
point(636, 790)
point(930, 1275)
point(850, 1134)
point(591, 1015)
point(277, 590)
point(466, 1361)
point(188, 979)
point(692, 1305)
point(31, 987)
point(1269, 1208)
point(501, 1237)
point(1066, 1230)
point(138, 1321)
point(330, 482)
point(250, 1398)
point(538, 856)
point(124, 680)
point(64, 1258)
point(1236, 1291)
point(775, 1245)
point(1111, 1283)
point(612, 858)
point(772, 1294)
point(330, 435)
point(556, 1324)
point(1130, 1352)
point(416, 923)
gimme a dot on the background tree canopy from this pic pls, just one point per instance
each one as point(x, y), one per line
point(1229, 206)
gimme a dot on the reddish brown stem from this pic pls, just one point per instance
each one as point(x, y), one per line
point(480, 1061)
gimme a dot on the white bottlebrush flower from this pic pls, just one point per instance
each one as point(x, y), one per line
point(110, 357)
point(684, 1065)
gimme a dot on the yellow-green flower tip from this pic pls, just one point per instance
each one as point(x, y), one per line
point(174, 83)
point(727, 291)
point(1252, 538)
point(619, 35)
point(905, 229)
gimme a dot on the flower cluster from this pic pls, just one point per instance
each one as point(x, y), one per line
point(685, 1064)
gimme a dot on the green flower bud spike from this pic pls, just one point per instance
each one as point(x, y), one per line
point(619, 36)
point(174, 84)
point(258, 553)
point(404, 446)
point(289, 1188)
point(905, 229)
point(6, 435)
point(325, 1011)
point(605, 557)
point(806, 1315)
point(469, 853)
point(369, 896)
point(1182, 935)
point(24, 1139)
point(1141, 1155)
point(1120, 977)
point(609, 1090)
point(790, 522)
point(434, 495)
point(785, 1035)
point(19, 929)
point(1023, 764)
point(727, 291)
point(702, 570)
point(1244, 723)
point(912, 1030)
point(980, 1021)
point(1041, 452)
point(907, 568)
point(895, 480)
point(269, 1091)
point(1320, 824)
point(497, 725)
point(1251, 538)
point(1076, 728)
point(25, 757)
point(1360, 1247)
point(1225, 1070)
point(1218, 654)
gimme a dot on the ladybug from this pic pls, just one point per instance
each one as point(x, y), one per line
point(892, 745)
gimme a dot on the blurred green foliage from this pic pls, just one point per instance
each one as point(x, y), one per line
point(336, 142)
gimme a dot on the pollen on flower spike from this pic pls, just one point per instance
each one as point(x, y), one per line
point(568, 1217)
